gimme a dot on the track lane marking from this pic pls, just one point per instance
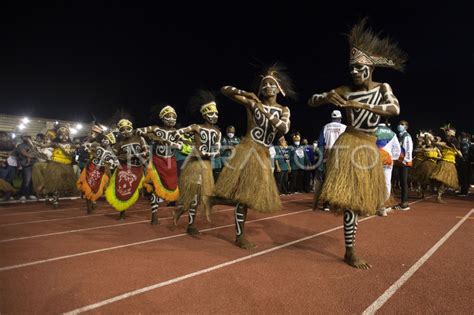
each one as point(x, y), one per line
point(209, 269)
point(140, 243)
point(378, 303)
point(108, 226)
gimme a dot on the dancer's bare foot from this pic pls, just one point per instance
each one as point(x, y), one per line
point(440, 200)
point(176, 215)
point(191, 230)
point(243, 243)
point(351, 259)
point(154, 219)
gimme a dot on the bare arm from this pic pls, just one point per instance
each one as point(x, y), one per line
point(239, 96)
point(389, 107)
point(332, 97)
point(145, 130)
point(189, 129)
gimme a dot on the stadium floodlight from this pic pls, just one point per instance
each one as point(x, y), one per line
point(79, 126)
point(21, 126)
point(73, 131)
point(25, 120)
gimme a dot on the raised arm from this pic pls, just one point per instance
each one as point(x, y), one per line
point(389, 106)
point(239, 96)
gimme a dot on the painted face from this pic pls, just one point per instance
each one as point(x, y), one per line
point(269, 87)
point(360, 73)
point(126, 131)
point(169, 120)
point(63, 137)
point(211, 118)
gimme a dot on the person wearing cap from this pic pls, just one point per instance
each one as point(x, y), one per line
point(327, 137)
point(389, 149)
point(162, 171)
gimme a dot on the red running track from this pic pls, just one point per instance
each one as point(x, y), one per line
point(56, 261)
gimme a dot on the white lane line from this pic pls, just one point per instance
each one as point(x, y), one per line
point(105, 206)
point(139, 243)
point(200, 272)
point(107, 226)
point(407, 275)
point(100, 214)
point(76, 217)
point(89, 229)
point(197, 273)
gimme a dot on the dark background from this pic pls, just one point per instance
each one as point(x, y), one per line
point(72, 60)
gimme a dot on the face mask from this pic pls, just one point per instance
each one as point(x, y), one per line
point(297, 143)
point(401, 128)
point(230, 135)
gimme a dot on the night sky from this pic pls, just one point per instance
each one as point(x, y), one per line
point(75, 60)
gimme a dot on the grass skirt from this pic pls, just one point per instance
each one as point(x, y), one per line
point(196, 179)
point(423, 171)
point(59, 177)
point(247, 178)
point(446, 173)
point(6, 187)
point(354, 176)
point(37, 178)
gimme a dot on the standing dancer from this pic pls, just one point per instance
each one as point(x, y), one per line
point(247, 178)
point(59, 176)
point(96, 174)
point(196, 181)
point(162, 173)
point(445, 172)
point(355, 183)
point(131, 151)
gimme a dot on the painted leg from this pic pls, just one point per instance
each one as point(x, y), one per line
point(154, 209)
point(240, 217)
point(191, 229)
point(55, 200)
point(89, 206)
point(441, 190)
point(350, 229)
point(122, 215)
